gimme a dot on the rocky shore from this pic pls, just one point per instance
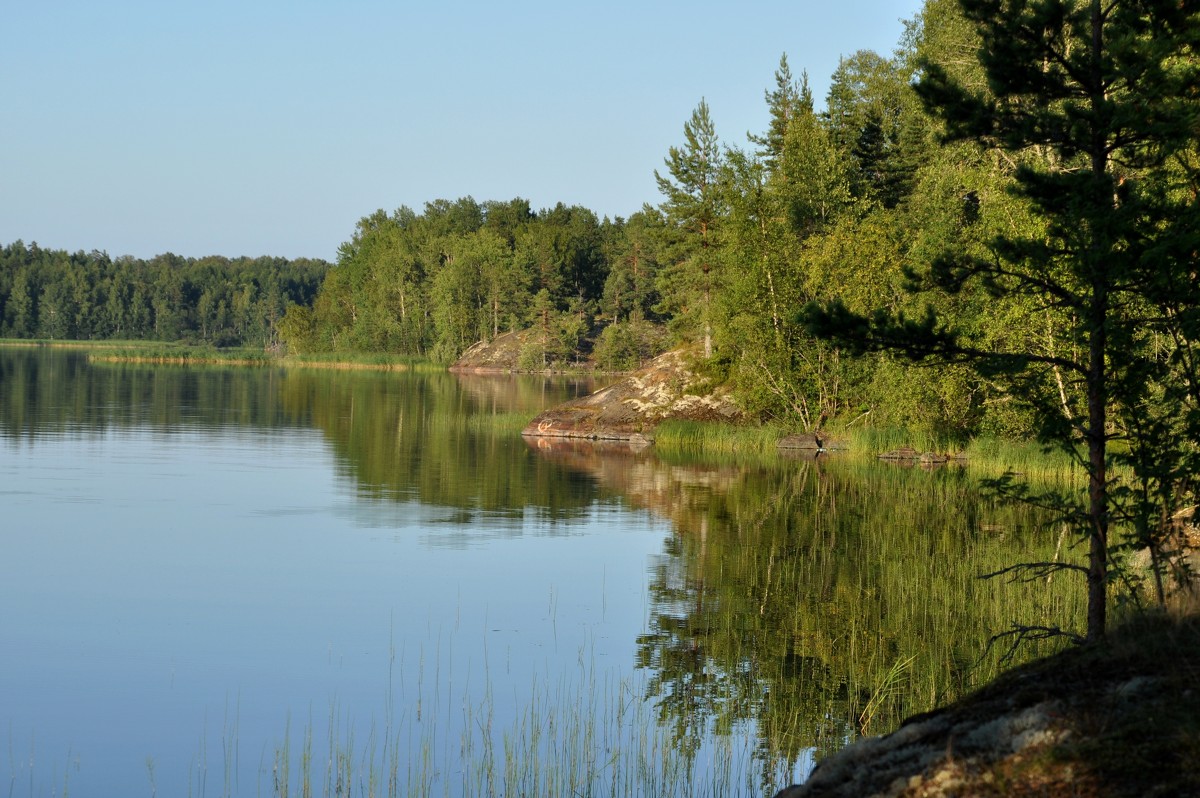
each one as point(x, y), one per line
point(1121, 718)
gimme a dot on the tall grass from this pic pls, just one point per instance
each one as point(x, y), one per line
point(985, 456)
point(181, 355)
point(675, 437)
point(499, 423)
point(587, 735)
point(381, 361)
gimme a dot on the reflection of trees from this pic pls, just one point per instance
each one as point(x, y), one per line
point(419, 436)
point(49, 391)
point(398, 436)
point(790, 591)
point(524, 393)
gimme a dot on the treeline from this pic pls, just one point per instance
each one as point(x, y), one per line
point(54, 294)
point(833, 200)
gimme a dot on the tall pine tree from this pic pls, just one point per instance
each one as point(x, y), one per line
point(1097, 103)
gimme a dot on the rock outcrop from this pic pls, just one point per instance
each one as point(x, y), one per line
point(501, 355)
point(906, 455)
point(630, 409)
point(1114, 719)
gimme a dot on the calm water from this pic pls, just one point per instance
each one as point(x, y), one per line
point(204, 567)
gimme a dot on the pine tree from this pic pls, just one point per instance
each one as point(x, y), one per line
point(1098, 105)
point(788, 99)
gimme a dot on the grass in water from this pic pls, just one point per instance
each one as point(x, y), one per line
point(503, 423)
point(589, 735)
point(179, 353)
point(675, 439)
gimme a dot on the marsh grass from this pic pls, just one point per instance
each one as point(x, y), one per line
point(191, 354)
point(676, 438)
point(182, 355)
point(370, 361)
point(587, 734)
point(55, 343)
point(499, 423)
point(984, 456)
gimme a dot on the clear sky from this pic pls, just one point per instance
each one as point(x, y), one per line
point(269, 127)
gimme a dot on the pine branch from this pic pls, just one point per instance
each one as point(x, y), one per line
point(1021, 634)
point(1039, 569)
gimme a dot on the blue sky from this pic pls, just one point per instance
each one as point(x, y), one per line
point(264, 127)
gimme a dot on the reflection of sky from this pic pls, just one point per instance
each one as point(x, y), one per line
point(170, 595)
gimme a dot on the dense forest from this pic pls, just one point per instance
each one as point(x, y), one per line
point(83, 296)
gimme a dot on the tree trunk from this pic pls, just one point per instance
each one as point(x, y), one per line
point(1097, 577)
point(1097, 432)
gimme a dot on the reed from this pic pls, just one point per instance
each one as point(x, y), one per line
point(188, 354)
point(498, 423)
point(587, 734)
point(370, 361)
point(164, 353)
point(702, 438)
point(55, 343)
point(984, 456)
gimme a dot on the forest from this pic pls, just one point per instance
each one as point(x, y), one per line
point(56, 295)
point(845, 198)
point(854, 198)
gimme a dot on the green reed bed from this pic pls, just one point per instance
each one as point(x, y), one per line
point(985, 455)
point(58, 343)
point(378, 361)
point(676, 437)
point(498, 423)
point(159, 352)
point(182, 355)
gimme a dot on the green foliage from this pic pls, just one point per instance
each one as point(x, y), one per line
point(624, 346)
point(1094, 112)
point(924, 399)
point(90, 296)
point(633, 254)
point(693, 207)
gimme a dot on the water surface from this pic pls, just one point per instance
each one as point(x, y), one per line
point(203, 566)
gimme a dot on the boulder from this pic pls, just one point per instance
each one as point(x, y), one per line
point(804, 441)
point(1064, 725)
point(811, 442)
point(904, 453)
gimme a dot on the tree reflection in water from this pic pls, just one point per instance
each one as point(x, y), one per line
point(815, 600)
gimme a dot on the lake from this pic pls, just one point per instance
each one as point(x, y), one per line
point(257, 581)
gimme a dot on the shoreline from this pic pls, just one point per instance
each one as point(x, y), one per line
point(672, 438)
